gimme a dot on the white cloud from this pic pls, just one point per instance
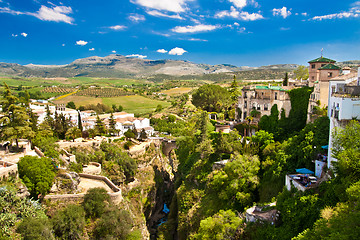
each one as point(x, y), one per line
point(242, 29)
point(54, 13)
point(156, 13)
point(113, 51)
point(195, 29)
point(250, 16)
point(236, 24)
point(281, 12)
point(234, 13)
point(117, 27)
point(63, 44)
point(197, 40)
point(166, 5)
point(238, 3)
point(81, 43)
point(284, 29)
point(136, 17)
point(14, 35)
point(136, 56)
point(161, 51)
point(336, 15)
point(24, 34)
point(304, 14)
point(177, 51)
point(91, 49)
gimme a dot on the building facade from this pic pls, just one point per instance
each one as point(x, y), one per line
point(344, 105)
point(260, 99)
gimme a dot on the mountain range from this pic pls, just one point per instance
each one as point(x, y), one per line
point(119, 66)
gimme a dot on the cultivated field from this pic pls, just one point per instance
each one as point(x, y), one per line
point(176, 91)
point(131, 104)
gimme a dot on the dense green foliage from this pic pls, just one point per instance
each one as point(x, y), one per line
point(14, 208)
point(37, 174)
point(96, 200)
point(113, 224)
point(69, 222)
point(212, 98)
point(33, 228)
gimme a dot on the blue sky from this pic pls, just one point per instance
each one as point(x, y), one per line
point(238, 32)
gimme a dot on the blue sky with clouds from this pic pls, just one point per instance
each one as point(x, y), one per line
point(238, 32)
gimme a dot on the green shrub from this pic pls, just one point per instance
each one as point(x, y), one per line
point(69, 223)
point(32, 228)
point(95, 202)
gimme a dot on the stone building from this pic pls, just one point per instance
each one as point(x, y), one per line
point(321, 70)
point(258, 101)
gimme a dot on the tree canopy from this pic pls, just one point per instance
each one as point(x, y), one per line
point(212, 98)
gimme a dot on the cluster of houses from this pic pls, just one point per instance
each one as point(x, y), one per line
point(335, 89)
point(124, 121)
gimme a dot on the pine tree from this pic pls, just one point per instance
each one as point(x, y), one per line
point(100, 126)
point(112, 125)
point(15, 122)
point(286, 79)
point(80, 122)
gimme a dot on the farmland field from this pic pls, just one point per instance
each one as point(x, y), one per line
point(176, 91)
point(131, 104)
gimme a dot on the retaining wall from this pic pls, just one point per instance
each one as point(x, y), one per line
point(10, 169)
point(116, 197)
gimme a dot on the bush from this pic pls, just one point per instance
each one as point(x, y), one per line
point(69, 223)
point(37, 174)
point(95, 202)
point(32, 228)
point(114, 224)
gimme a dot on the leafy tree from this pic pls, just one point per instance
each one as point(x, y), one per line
point(212, 98)
point(69, 223)
point(95, 202)
point(237, 180)
point(158, 108)
point(301, 72)
point(171, 118)
point(204, 147)
point(222, 225)
point(143, 135)
point(346, 149)
point(73, 133)
point(37, 174)
point(286, 80)
point(129, 134)
point(71, 105)
point(33, 228)
point(61, 125)
point(113, 224)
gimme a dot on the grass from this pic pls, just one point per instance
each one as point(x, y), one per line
point(177, 91)
point(131, 104)
point(136, 103)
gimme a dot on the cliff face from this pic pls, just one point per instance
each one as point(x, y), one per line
point(152, 188)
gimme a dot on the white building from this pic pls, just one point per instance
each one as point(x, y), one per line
point(343, 105)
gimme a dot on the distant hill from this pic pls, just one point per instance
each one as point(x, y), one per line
point(118, 66)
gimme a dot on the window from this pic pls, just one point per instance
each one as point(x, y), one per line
point(258, 107)
point(312, 78)
point(329, 74)
point(245, 95)
point(245, 115)
point(313, 66)
point(245, 104)
point(323, 65)
point(276, 96)
point(266, 107)
point(333, 89)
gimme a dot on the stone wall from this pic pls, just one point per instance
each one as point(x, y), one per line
point(8, 169)
point(116, 197)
